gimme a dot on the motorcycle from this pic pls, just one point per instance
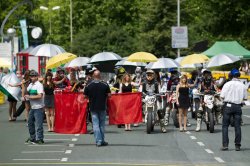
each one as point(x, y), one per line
point(209, 108)
point(153, 109)
point(195, 104)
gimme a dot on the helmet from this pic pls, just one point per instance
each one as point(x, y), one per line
point(119, 70)
point(138, 70)
point(235, 73)
point(33, 73)
point(204, 71)
point(150, 72)
point(172, 70)
point(88, 69)
point(59, 69)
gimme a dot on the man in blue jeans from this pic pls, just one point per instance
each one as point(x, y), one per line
point(98, 91)
point(233, 93)
point(36, 114)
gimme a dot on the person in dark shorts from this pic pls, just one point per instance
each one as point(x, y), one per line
point(49, 105)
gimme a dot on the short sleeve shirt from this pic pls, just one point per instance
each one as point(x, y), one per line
point(35, 89)
point(97, 92)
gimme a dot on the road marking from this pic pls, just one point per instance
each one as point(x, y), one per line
point(68, 151)
point(57, 139)
point(64, 159)
point(201, 143)
point(209, 151)
point(71, 145)
point(74, 139)
point(188, 132)
point(77, 135)
point(46, 145)
point(193, 137)
point(42, 151)
point(219, 159)
point(59, 134)
point(247, 116)
point(36, 159)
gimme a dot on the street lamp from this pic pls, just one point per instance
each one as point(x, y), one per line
point(49, 10)
point(11, 32)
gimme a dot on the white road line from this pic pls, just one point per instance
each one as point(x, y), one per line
point(68, 151)
point(188, 132)
point(46, 145)
point(209, 151)
point(57, 139)
point(247, 116)
point(36, 159)
point(219, 159)
point(77, 135)
point(71, 145)
point(59, 134)
point(64, 159)
point(74, 139)
point(193, 137)
point(201, 143)
point(42, 152)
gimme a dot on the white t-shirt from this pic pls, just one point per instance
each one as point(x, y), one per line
point(35, 89)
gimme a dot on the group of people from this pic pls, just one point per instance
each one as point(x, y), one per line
point(39, 94)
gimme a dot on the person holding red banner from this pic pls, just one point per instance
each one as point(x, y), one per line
point(61, 80)
point(126, 86)
point(98, 91)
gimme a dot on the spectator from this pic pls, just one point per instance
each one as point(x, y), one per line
point(97, 91)
point(36, 114)
point(49, 105)
point(61, 80)
point(125, 87)
point(233, 93)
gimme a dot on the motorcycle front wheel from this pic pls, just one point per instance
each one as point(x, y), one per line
point(150, 125)
point(211, 121)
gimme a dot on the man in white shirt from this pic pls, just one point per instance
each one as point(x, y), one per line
point(233, 94)
point(36, 114)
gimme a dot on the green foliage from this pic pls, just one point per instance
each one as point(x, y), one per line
point(127, 26)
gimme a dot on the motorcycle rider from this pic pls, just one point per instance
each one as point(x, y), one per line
point(207, 85)
point(194, 99)
point(150, 86)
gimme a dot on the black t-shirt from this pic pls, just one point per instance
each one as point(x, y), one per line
point(97, 92)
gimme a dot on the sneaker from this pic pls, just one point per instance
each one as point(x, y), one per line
point(39, 142)
point(105, 143)
point(30, 141)
point(224, 148)
point(237, 148)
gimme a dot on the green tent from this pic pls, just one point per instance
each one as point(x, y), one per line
point(232, 47)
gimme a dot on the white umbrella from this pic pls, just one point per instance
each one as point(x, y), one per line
point(222, 59)
point(124, 62)
point(163, 63)
point(48, 50)
point(187, 65)
point(77, 62)
point(104, 56)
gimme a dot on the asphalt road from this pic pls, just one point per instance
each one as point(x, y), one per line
point(125, 148)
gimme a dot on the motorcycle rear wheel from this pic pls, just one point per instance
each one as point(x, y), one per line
point(175, 118)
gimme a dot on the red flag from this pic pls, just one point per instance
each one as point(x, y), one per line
point(70, 113)
point(125, 108)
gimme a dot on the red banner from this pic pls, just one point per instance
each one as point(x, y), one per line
point(70, 113)
point(125, 108)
